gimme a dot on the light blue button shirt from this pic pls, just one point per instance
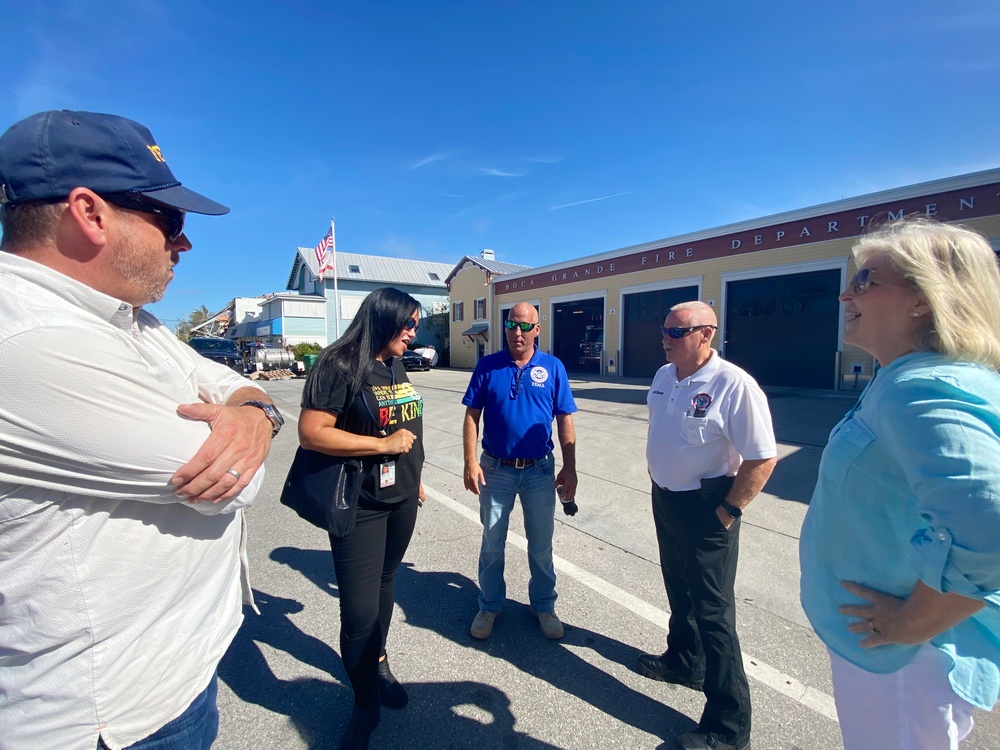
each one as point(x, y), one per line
point(908, 490)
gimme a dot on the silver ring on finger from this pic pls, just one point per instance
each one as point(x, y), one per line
point(234, 473)
point(871, 626)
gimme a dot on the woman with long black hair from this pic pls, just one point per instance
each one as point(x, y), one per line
point(358, 402)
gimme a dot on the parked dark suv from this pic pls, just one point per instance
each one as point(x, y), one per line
point(222, 351)
point(413, 361)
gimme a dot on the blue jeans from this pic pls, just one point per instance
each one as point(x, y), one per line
point(536, 486)
point(195, 729)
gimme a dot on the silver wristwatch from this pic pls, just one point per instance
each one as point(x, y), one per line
point(272, 413)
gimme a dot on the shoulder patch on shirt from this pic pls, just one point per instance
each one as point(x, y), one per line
point(539, 374)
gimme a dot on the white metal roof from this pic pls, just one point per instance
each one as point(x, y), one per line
point(376, 268)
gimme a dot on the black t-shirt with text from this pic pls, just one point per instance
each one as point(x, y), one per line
point(388, 402)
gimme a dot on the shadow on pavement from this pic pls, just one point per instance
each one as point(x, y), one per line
point(315, 706)
point(463, 713)
point(446, 603)
point(441, 714)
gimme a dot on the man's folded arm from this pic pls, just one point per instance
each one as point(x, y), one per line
point(85, 413)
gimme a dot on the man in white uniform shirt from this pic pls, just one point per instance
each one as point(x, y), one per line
point(125, 458)
point(710, 450)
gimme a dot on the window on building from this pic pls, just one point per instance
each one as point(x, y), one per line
point(457, 311)
point(433, 276)
point(354, 269)
point(481, 308)
point(349, 307)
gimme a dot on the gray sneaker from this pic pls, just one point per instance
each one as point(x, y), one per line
point(482, 626)
point(551, 627)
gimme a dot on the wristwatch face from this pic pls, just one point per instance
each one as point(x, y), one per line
point(272, 413)
point(732, 510)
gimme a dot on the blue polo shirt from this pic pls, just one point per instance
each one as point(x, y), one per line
point(519, 404)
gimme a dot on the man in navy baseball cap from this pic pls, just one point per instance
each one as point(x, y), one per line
point(126, 459)
point(45, 156)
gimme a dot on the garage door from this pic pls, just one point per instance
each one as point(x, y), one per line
point(578, 335)
point(642, 352)
point(783, 329)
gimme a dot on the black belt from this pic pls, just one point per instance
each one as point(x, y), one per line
point(517, 463)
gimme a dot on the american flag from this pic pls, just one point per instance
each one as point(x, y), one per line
point(322, 251)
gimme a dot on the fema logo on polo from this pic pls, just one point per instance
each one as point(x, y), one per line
point(539, 375)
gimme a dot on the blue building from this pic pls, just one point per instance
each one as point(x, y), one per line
point(358, 275)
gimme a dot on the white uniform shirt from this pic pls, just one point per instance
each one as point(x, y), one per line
point(117, 600)
point(704, 426)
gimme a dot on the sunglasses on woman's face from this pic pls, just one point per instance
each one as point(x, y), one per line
point(510, 325)
point(412, 325)
point(861, 281)
point(864, 278)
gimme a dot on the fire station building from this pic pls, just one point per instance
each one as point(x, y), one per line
point(774, 283)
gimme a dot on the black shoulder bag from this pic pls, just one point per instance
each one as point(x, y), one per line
point(324, 489)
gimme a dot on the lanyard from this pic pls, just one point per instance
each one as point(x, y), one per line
point(364, 400)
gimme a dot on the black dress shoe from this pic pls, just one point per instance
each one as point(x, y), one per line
point(390, 693)
point(359, 730)
point(652, 666)
point(703, 741)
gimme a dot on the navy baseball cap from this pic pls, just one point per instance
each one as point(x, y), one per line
point(45, 156)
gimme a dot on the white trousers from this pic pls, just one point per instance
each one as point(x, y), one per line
point(912, 709)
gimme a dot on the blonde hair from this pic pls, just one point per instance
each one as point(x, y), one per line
point(956, 272)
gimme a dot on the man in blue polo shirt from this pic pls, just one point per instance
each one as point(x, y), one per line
point(518, 392)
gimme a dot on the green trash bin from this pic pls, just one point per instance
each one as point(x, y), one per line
point(309, 360)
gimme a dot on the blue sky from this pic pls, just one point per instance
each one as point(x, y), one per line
point(546, 131)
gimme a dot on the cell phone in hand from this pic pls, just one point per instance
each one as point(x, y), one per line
point(569, 507)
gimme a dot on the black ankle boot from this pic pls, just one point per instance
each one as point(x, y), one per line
point(359, 730)
point(390, 692)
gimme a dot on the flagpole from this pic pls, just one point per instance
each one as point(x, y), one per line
point(336, 289)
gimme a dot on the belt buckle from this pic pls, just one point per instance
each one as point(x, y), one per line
point(519, 463)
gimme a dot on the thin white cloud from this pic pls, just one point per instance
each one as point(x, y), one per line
point(483, 206)
point(589, 200)
point(545, 159)
point(501, 173)
point(440, 155)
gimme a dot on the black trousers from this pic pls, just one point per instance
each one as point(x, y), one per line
point(365, 563)
point(698, 557)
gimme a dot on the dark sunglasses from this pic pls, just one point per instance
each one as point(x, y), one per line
point(679, 333)
point(412, 325)
point(510, 325)
point(861, 281)
point(136, 202)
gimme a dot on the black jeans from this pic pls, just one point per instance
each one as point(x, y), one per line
point(365, 563)
point(698, 557)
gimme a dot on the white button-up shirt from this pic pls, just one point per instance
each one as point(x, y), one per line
point(705, 425)
point(117, 600)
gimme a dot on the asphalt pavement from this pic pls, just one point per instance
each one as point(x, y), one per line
point(282, 683)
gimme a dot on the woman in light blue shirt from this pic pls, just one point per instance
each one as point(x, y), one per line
point(900, 548)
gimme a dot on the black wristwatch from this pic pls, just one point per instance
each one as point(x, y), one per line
point(733, 511)
point(272, 413)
